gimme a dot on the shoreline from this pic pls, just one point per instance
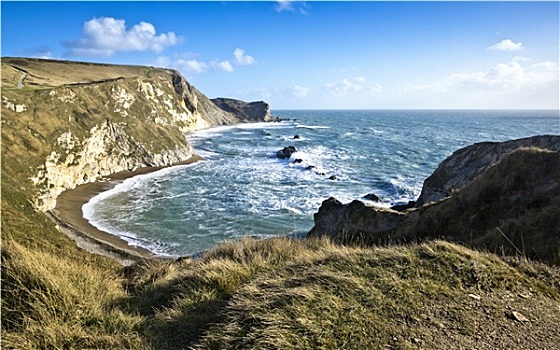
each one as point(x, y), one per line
point(69, 217)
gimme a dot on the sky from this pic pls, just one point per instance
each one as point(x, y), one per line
point(314, 55)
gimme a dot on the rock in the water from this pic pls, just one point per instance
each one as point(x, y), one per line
point(286, 152)
point(371, 197)
point(296, 137)
point(297, 161)
point(332, 177)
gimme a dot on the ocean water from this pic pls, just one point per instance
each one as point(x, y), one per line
point(243, 189)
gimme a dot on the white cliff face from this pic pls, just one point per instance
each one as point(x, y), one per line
point(107, 150)
point(108, 147)
point(58, 137)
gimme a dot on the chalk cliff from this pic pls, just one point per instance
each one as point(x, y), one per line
point(503, 197)
point(67, 123)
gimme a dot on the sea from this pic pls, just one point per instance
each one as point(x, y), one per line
point(243, 189)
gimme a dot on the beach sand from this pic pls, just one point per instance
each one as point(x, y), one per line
point(69, 218)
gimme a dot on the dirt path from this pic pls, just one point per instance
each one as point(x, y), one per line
point(20, 81)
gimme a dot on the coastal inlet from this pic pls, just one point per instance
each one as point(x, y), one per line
point(244, 188)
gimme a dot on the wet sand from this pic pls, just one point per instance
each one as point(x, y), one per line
point(69, 217)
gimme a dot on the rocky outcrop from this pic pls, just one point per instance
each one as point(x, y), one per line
point(251, 112)
point(356, 222)
point(286, 152)
point(77, 122)
point(467, 163)
point(512, 207)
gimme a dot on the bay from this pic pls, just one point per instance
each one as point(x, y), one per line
point(243, 189)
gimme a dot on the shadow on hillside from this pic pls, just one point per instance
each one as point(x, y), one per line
point(176, 312)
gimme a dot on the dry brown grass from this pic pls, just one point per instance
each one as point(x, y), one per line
point(53, 73)
point(271, 294)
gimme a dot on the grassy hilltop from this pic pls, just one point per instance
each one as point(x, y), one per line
point(272, 294)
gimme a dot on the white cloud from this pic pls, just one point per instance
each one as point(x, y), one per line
point(355, 85)
point(182, 62)
point(507, 45)
point(242, 58)
point(191, 66)
point(195, 66)
point(289, 5)
point(504, 76)
point(106, 35)
point(300, 91)
point(284, 5)
point(376, 88)
point(515, 84)
point(521, 59)
point(223, 65)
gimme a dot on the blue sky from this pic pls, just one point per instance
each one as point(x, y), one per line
point(315, 55)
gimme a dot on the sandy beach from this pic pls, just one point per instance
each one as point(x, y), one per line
point(69, 217)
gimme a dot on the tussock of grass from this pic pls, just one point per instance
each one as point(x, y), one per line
point(48, 301)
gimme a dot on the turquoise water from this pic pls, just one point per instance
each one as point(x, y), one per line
point(243, 189)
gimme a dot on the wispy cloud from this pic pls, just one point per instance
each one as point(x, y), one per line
point(299, 91)
point(288, 5)
point(222, 65)
point(198, 66)
point(514, 75)
point(190, 66)
point(507, 45)
point(353, 85)
point(38, 52)
point(242, 58)
point(106, 36)
point(514, 84)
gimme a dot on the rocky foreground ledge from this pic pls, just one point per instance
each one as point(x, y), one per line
point(503, 197)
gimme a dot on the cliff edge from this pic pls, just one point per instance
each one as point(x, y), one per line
point(68, 123)
point(502, 197)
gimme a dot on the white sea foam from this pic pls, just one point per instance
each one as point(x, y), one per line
point(312, 126)
point(215, 130)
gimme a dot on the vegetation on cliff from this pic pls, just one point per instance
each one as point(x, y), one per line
point(275, 294)
point(511, 208)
